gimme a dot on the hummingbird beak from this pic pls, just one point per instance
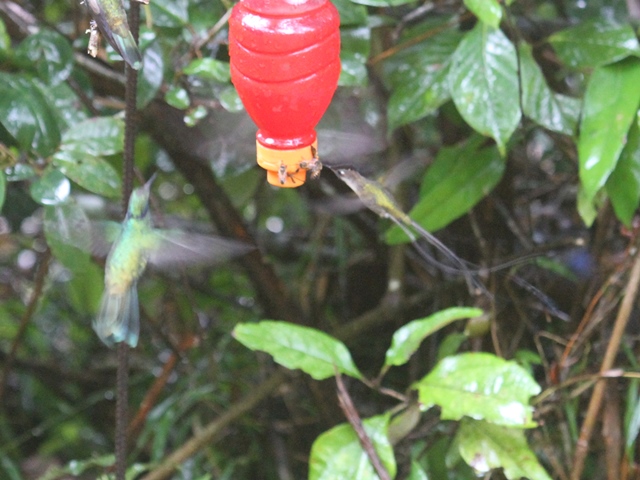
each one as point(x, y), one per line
point(147, 185)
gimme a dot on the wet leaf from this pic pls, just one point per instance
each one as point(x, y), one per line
point(488, 11)
point(485, 446)
point(210, 69)
point(50, 53)
point(408, 338)
point(93, 173)
point(481, 386)
point(169, 13)
point(27, 115)
point(419, 77)
point(594, 43)
point(151, 75)
point(610, 105)
point(459, 178)
point(623, 186)
point(51, 188)
point(337, 453)
point(95, 136)
point(484, 83)
point(177, 97)
point(355, 46)
point(556, 112)
point(294, 346)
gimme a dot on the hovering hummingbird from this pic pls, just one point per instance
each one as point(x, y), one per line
point(112, 22)
point(377, 199)
point(136, 244)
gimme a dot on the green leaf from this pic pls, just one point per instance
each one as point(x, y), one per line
point(194, 115)
point(351, 13)
point(595, 43)
point(27, 115)
point(408, 338)
point(5, 39)
point(480, 386)
point(488, 11)
point(210, 69)
point(96, 136)
point(293, 346)
point(556, 112)
point(68, 234)
point(170, 13)
point(51, 188)
point(93, 173)
point(355, 46)
point(623, 186)
point(66, 106)
point(151, 75)
point(230, 100)
point(177, 97)
point(610, 105)
point(50, 54)
point(484, 83)
point(419, 77)
point(485, 446)
point(337, 453)
point(459, 178)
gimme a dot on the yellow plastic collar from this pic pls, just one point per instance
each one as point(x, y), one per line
point(283, 166)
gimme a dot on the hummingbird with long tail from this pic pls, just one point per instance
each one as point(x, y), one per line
point(111, 19)
point(137, 243)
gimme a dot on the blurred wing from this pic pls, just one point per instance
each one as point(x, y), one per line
point(176, 247)
point(103, 234)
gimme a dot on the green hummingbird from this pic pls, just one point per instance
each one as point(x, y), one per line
point(112, 22)
point(377, 199)
point(137, 244)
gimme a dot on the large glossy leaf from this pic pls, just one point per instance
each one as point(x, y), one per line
point(623, 186)
point(481, 386)
point(338, 454)
point(50, 53)
point(488, 11)
point(484, 83)
point(27, 115)
point(419, 77)
point(594, 43)
point(293, 346)
point(66, 106)
point(151, 75)
point(545, 107)
point(355, 45)
point(96, 136)
point(485, 446)
point(169, 13)
point(209, 68)
point(93, 173)
point(458, 179)
point(52, 188)
point(350, 13)
point(408, 338)
point(610, 105)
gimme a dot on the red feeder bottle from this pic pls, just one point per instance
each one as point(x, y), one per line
point(285, 64)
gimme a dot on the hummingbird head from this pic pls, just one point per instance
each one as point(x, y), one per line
point(139, 200)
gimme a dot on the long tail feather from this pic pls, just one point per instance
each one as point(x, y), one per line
point(119, 318)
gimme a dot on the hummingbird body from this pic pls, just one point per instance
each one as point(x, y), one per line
point(119, 316)
point(136, 244)
point(377, 199)
point(112, 21)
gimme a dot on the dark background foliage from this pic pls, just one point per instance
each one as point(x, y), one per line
point(511, 130)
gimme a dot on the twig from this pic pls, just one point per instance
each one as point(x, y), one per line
point(41, 274)
point(208, 433)
point(595, 403)
point(346, 404)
